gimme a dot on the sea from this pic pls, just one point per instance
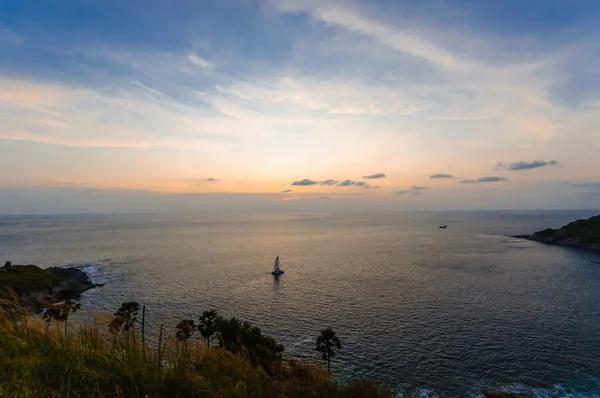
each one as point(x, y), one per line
point(430, 312)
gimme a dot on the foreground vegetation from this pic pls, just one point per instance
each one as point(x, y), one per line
point(45, 359)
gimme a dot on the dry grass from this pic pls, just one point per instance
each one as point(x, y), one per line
point(37, 360)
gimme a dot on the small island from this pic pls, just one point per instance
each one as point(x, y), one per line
point(583, 234)
point(37, 288)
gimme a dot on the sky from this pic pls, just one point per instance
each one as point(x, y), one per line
point(298, 104)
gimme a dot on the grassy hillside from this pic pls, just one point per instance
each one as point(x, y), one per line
point(39, 360)
point(583, 230)
point(583, 234)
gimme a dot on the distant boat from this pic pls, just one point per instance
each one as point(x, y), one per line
point(276, 269)
point(443, 226)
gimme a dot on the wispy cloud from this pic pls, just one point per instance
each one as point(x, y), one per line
point(331, 96)
point(440, 176)
point(375, 176)
point(328, 182)
point(199, 61)
point(346, 183)
point(525, 165)
point(591, 185)
point(286, 191)
point(150, 63)
point(418, 188)
point(400, 192)
point(342, 15)
point(484, 179)
point(8, 37)
point(453, 78)
point(210, 179)
point(305, 182)
point(129, 116)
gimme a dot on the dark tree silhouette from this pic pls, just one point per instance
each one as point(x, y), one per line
point(208, 325)
point(60, 312)
point(241, 336)
point(185, 328)
point(327, 343)
point(125, 317)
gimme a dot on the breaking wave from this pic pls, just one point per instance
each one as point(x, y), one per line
point(94, 271)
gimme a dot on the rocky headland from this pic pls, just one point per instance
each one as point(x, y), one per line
point(38, 288)
point(583, 234)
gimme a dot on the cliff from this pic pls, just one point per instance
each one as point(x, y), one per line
point(584, 234)
point(37, 288)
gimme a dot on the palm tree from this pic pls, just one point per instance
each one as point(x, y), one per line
point(185, 328)
point(60, 312)
point(208, 324)
point(327, 343)
point(125, 318)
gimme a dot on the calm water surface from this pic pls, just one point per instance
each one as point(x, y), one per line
point(429, 311)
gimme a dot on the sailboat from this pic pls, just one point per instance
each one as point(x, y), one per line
point(276, 269)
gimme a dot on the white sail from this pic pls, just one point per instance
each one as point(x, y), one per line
point(277, 263)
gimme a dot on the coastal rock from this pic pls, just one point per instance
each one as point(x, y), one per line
point(583, 234)
point(37, 288)
point(502, 394)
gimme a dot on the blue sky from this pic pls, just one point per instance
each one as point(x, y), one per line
point(247, 97)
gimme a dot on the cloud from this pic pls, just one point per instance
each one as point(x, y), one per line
point(416, 192)
point(199, 61)
point(592, 185)
point(328, 182)
point(286, 191)
point(346, 183)
point(417, 188)
point(355, 193)
point(342, 15)
point(374, 176)
point(483, 179)
point(132, 115)
point(210, 179)
point(225, 108)
point(333, 96)
point(525, 165)
point(400, 192)
point(8, 37)
point(365, 185)
point(304, 182)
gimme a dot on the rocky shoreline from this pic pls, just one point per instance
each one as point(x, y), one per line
point(38, 288)
point(581, 234)
point(502, 394)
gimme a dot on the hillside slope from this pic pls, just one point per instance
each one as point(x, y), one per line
point(583, 234)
